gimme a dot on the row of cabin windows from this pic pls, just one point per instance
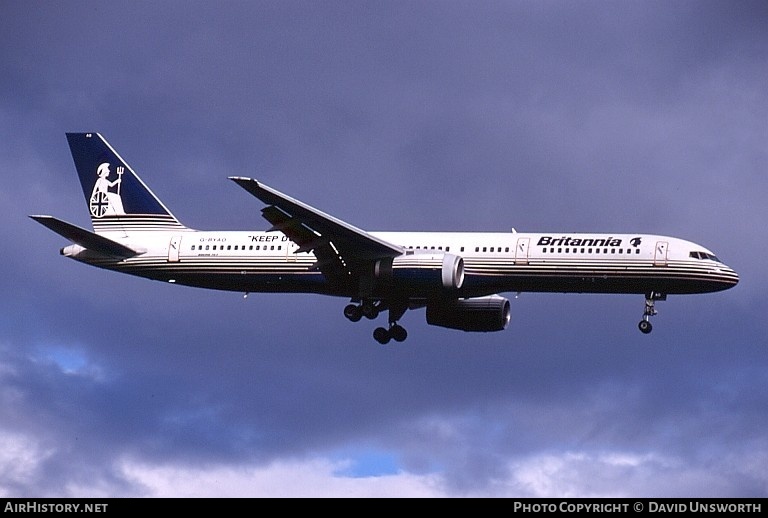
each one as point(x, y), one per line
point(492, 249)
point(589, 250)
point(236, 247)
point(448, 248)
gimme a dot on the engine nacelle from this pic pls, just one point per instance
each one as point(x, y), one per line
point(420, 272)
point(476, 314)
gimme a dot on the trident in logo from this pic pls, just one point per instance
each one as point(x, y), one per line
point(120, 171)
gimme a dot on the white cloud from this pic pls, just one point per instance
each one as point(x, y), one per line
point(565, 475)
point(302, 479)
point(20, 461)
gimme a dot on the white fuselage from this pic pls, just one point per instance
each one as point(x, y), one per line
point(258, 261)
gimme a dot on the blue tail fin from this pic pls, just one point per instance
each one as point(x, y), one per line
point(117, 198)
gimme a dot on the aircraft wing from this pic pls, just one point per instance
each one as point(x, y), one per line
point(338, 246)
point(85, 238)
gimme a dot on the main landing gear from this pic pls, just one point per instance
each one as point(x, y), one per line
point(367, 309)
point(395, 331)
point(650, 310)
point(370, 310)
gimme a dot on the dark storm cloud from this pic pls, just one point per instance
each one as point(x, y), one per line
point(634, 116)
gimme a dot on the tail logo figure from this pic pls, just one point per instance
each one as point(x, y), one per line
point(103, 201)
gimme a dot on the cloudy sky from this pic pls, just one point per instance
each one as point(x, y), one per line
point(594, 116)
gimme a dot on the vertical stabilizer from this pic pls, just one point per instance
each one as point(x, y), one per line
point(117, 198)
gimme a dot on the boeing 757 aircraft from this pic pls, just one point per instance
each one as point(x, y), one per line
point(456, 276)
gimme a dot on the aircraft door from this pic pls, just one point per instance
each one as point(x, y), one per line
point(173, 249)
point(290, 248)
point(660, 253)
point(521, 250)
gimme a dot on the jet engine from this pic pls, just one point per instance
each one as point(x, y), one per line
point(490, 313)
point(420, 272)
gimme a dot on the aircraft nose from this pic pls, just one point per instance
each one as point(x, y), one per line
point(729, 276)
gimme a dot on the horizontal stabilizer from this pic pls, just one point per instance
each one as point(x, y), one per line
point(85, 238)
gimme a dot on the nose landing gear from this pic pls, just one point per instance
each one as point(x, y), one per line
point(650, 310)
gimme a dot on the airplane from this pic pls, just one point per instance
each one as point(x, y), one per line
point(457, 276)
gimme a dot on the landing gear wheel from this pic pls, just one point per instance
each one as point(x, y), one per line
point(381, 335)
point(369, 311)
point(645, 326)
point(353, 312)
point(398, 333)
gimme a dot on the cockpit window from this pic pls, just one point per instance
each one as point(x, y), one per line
point(704, 255)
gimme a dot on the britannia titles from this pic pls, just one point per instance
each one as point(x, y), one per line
point(578, 241)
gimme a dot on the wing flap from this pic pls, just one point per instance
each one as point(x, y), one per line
point(288, 225)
